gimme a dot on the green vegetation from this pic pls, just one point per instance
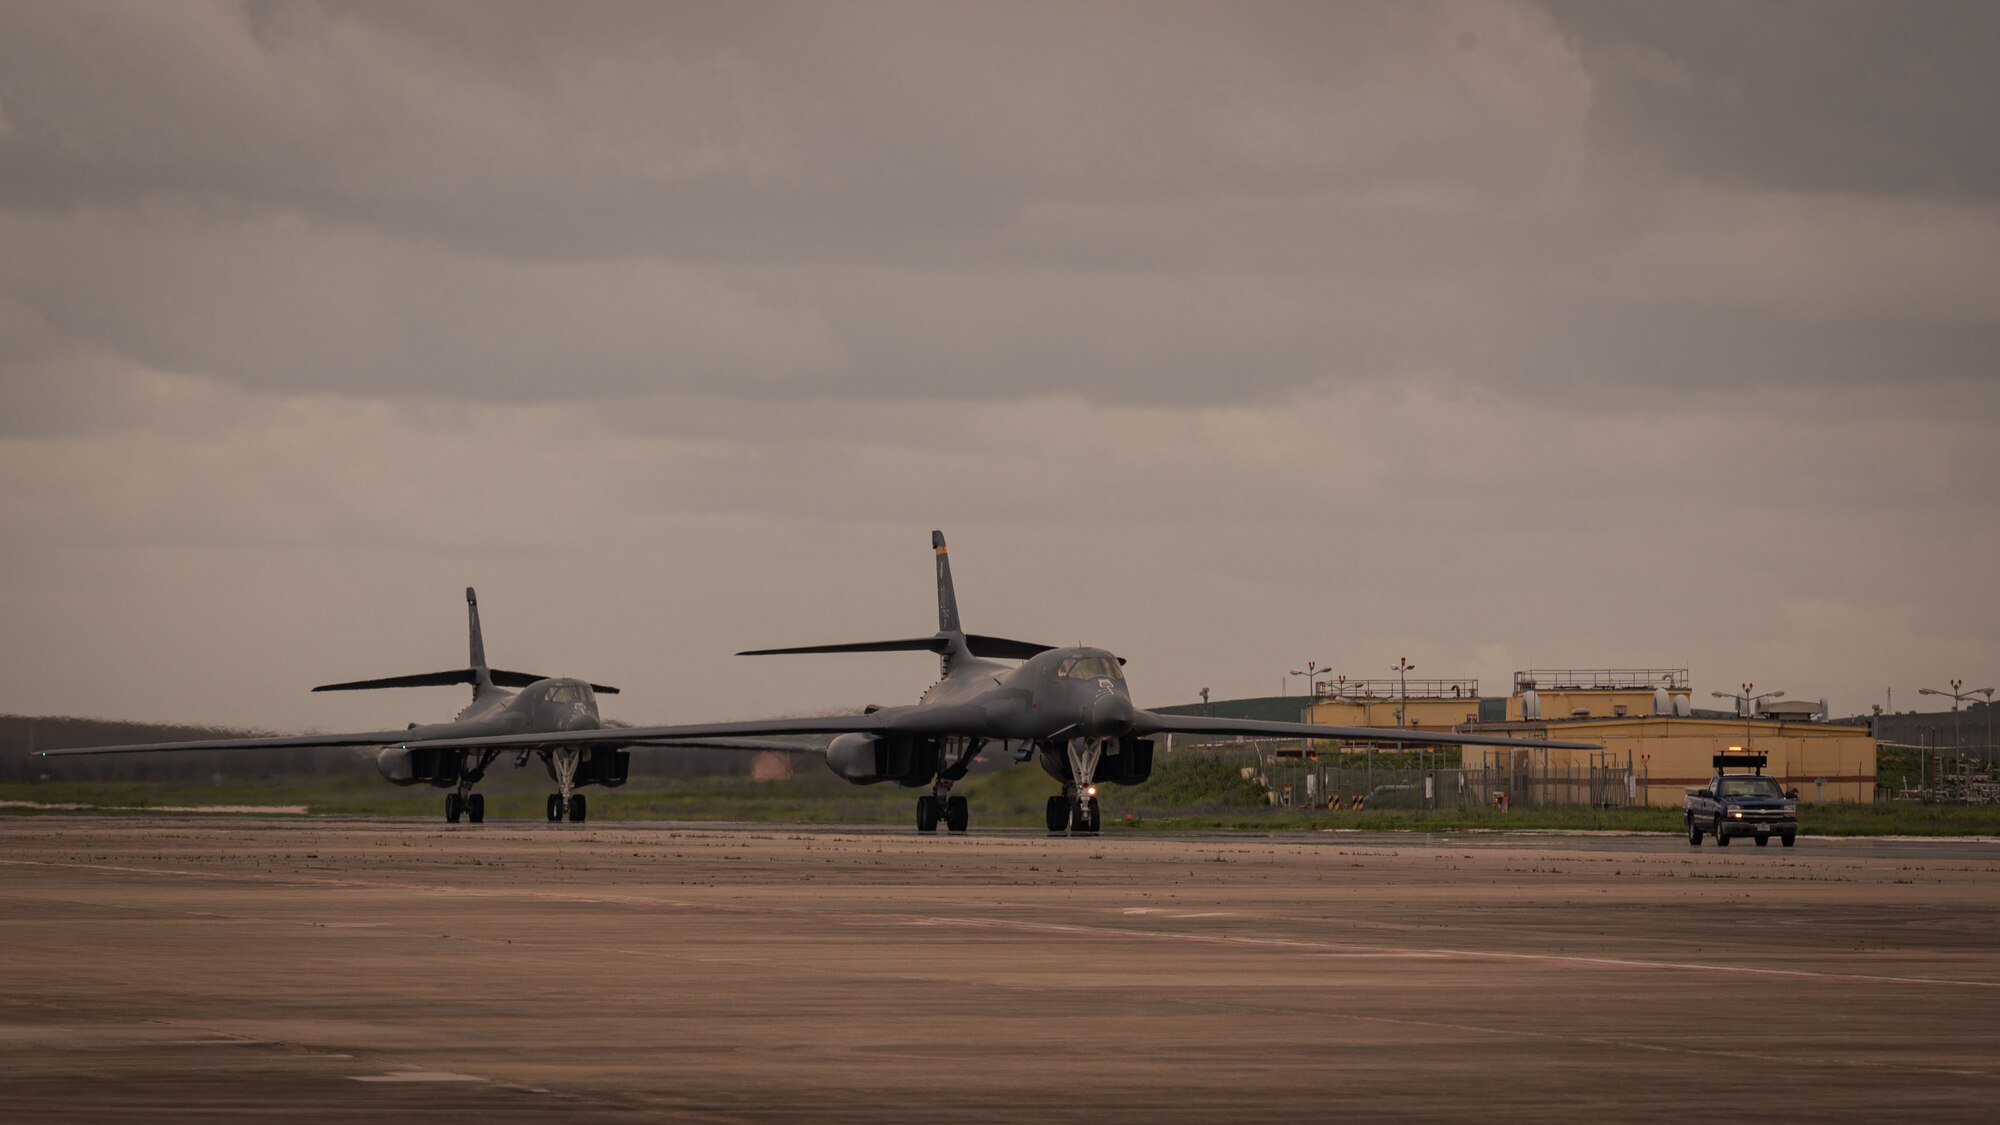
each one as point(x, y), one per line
point(1187, 791)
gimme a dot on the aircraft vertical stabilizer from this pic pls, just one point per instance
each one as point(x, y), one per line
point(948, 628)
point(951, 642)
point(477, 642)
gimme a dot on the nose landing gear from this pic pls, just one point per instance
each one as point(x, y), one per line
point(566, 802)
point(1077, 809)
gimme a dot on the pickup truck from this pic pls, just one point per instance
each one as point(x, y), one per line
point(1732, 805)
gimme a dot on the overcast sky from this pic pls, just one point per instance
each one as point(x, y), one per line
point(1227, 336)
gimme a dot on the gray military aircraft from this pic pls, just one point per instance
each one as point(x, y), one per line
point(545, 704)
point(1066, 707)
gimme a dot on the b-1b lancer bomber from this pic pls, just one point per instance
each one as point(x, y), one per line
point(1068, 708)
point(545, 705)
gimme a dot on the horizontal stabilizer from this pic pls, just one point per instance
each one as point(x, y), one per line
point(996, 647)
point(1002, 648)
point(913, 644)
point(500, 678)
point(422, 679)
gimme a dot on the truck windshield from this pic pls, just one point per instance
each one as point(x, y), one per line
point(1748, 787)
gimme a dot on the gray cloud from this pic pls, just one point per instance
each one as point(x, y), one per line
point(1482, 333)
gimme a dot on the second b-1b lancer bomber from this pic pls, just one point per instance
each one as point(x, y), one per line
point(1068, 708)
point(545, 704)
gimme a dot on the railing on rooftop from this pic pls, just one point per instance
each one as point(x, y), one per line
point(1393, 689)
point(1601, 679)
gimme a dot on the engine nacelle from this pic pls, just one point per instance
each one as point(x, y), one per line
point(865, 759)
point(600, 765)
point(1127, 763)
point(400, 766)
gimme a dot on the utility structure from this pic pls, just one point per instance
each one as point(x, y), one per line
point(1749, 704)
point(1958, 696)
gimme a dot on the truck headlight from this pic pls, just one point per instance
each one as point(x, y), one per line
point(1791, 810)
point(1736, 814)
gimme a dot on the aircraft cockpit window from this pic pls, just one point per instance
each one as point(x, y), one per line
point(1091, 668)
point(564, 693)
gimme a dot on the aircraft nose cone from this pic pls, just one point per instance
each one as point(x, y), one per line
point(1110, 716)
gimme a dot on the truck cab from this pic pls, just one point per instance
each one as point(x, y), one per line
point(1741, 804)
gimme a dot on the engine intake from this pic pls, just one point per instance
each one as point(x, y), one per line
point(401, 766)
point(866, 759)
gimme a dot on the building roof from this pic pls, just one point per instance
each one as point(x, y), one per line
point(1269, 708)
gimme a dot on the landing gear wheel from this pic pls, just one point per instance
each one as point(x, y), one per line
point(555, 807)
point(957, 814)
point(454, 807)
point(1721, 841)
point(1763, 841)
point(1058, 817)
point(1085, 818)
point(927, 814)
point(475, 808)
point(1694, 834)
point(1788, 838)
point(577, 808)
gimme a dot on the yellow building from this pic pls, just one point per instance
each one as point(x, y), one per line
point(1439, 705)
point(1597, 693)
point(1668, 754)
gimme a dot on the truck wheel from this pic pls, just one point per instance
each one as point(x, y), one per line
point(1721, 841)
point(1787, 838)
point(1694, 834)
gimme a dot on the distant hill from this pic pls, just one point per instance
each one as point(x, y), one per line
point(22, 735)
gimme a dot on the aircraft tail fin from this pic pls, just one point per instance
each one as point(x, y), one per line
point(947, 597)
point(476, 643)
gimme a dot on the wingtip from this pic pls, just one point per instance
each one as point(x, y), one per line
point(471, 598)
point(937, 540)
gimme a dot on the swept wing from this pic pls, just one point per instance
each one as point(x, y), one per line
point(1148, 723)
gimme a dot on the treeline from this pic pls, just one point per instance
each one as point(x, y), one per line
point(21, 736)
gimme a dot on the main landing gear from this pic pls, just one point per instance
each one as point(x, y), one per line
point(955, 757)
point(953, 811)
point(464, 802)
point(566, 802)
point(471, 806)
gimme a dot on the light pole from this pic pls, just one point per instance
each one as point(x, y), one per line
point(1402, 668)
point(1957, 697)
point(1313, 671)
point(1749, 704)
point(1206, 709)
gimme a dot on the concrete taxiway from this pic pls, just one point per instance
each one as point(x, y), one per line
point(185, 969)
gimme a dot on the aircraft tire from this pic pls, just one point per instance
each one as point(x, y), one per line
point(578, 808)
point(1058, 813)
point(454, 806)
point(475, 808)
point(957, 814)
point(927, 814)
point(1086, 817)
point(1788, 838)
point(1763, 841)
point(555, 807)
